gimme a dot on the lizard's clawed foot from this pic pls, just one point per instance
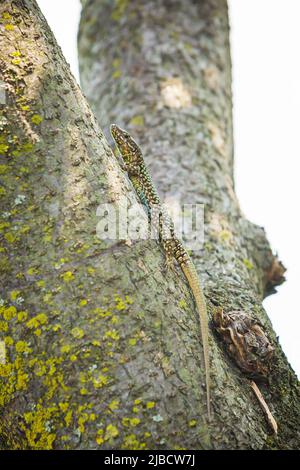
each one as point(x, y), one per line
point(169, 264)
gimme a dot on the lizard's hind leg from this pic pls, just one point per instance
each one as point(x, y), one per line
point(168, 245)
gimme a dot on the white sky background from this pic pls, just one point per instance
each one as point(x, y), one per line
point(265, 38)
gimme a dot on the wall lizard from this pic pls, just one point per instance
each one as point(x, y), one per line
point(141, 180)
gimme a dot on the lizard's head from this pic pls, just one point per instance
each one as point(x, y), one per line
point(128, 148)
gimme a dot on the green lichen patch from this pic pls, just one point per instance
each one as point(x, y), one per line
point(120, 7)
point(248, 264)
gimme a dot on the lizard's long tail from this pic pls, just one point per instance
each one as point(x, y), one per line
point(190, 272)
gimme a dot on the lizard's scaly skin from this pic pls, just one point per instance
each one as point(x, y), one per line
point(146, 191)
point(191, 274)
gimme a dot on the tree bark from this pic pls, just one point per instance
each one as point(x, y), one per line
point(100, 352)
point(162, 70)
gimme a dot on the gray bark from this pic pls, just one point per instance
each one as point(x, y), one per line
point(99, 351)
point(162, 70)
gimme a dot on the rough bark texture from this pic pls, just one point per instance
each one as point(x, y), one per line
point(99, 353)
point(162, 70)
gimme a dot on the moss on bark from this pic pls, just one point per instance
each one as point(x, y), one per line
point(100, 352)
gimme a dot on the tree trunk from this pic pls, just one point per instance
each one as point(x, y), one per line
point(88, 361)
point(162, 70)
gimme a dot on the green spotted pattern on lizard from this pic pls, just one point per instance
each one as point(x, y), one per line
point(142, 182)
